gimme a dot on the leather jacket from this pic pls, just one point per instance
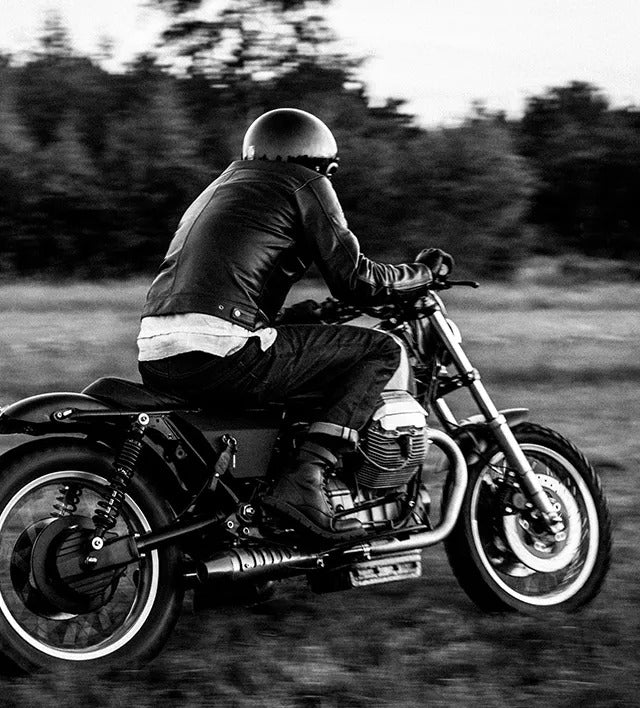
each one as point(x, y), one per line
point(252, 233)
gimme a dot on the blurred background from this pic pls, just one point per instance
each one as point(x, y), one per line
point(114, 115)
point(505, 132)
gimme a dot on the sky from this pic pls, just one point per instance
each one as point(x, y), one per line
point(439, 55)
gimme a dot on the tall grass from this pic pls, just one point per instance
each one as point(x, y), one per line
point(566, 355)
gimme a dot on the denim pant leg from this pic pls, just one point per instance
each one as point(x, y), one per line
point(349, 366)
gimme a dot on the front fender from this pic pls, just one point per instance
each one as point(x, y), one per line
point(473, 436)
point(513, 416)
point(46, 412)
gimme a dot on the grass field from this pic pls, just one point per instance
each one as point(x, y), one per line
point(571, 356)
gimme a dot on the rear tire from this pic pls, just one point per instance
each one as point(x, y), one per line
point(127, 622)
point(502, 555)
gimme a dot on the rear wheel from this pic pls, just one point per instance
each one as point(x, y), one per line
point(501, 551)
point(51, 617)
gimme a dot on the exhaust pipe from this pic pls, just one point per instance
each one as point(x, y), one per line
point(422, 539)
point(280, 562)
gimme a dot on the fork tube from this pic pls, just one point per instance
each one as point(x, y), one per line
point(496, 421)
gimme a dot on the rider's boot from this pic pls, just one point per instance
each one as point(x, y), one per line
point(301, 496)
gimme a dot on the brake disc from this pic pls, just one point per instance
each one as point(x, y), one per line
point(541, 551)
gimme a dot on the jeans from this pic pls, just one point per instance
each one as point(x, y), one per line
point(349, 366)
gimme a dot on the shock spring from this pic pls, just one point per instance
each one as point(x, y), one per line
point(106, 514)
point(68, 499)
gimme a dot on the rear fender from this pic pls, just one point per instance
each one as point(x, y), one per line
point(31, 447)
point(50, 414)
point(473, 436)
point(47, 412)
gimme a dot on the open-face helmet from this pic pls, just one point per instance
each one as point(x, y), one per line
point(292, 135)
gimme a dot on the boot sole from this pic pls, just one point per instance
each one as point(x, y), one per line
point(292, 514)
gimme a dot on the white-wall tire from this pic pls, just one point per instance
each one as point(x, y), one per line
point(504, 559)
point(134, 621)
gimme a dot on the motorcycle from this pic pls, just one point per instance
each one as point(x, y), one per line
point(127, 497)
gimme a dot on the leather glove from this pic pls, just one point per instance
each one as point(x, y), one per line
point(305, 312)
point(438, 261)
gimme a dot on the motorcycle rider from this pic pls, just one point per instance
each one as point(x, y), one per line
point(210, 329)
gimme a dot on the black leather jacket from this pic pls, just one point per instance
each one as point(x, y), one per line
point(252, 233)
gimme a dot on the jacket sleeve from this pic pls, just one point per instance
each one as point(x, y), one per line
point(349, 274)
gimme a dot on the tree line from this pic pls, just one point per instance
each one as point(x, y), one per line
point(97, 167)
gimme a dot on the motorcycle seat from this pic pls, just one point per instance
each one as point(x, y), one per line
point(129, 395)
point(133, 396)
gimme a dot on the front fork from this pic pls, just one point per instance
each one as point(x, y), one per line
point(497, 423)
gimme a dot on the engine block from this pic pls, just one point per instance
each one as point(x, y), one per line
point(341, 499)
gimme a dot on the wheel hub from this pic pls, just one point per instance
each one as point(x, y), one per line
point(58, 583)
point(540, 550)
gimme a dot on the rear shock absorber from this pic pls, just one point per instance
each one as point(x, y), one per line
point(124, 466)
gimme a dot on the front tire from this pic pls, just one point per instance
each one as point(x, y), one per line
point(107, 621)
point(500, 551)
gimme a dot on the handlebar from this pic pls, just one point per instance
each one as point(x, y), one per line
point(335, 311)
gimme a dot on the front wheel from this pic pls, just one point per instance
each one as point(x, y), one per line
point(502, 553)
point(49, 618)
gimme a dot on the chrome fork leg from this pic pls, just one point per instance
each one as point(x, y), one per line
point(528, 479)
point(498, 424)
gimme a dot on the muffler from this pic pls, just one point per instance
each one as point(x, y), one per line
point(251, 563)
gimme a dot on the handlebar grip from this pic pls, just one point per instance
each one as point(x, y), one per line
point(447, 284)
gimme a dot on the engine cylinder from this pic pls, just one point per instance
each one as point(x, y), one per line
point(395, 443)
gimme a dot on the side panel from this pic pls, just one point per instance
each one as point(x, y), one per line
point(255, 432)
